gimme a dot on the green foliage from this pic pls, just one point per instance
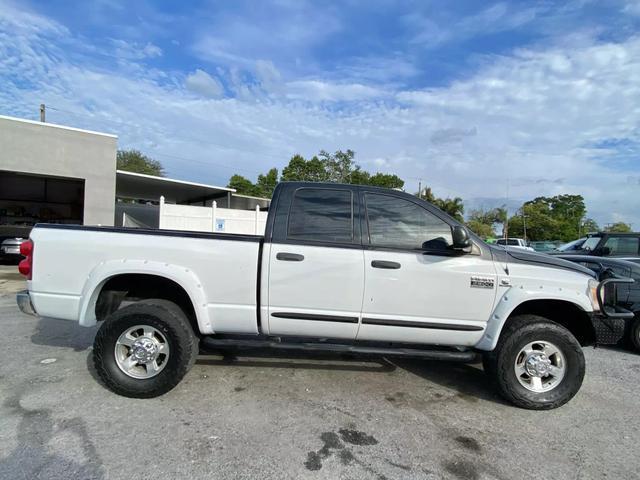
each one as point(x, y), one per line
point(339, 166)
point(137, 162)
point(302, 170)
point(550, 218)
point(452, 206)
point(483, 230)
point(590, 226)
point(243, 185)
point(262, 188)
point(386, 180)
point(326, 167)
point(618, 227)
point(482, 221)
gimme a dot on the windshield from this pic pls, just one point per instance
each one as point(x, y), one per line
point(590, 243)
point(574, 245)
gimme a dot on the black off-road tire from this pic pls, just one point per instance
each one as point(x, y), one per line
point(634, 333)
point(164, 316)
point(521, 330)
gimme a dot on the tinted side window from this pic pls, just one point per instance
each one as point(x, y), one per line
point(622, 245)
point(321, 214)
point(399, 223)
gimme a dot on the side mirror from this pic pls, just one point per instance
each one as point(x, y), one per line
point(460, 238)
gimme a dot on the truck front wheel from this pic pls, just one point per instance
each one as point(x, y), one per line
point(537, 364)
point(145, 349)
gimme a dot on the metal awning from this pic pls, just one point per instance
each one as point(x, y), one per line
point(148, 187)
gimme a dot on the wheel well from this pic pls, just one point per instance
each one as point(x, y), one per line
point(567, 314)
point(132, 287)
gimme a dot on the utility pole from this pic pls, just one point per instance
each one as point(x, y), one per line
point(420, 188)
point(524, 224)
point(42, 111)
point(505, 227)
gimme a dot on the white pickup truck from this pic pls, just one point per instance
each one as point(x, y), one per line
point(518, 243)
point(340, 268)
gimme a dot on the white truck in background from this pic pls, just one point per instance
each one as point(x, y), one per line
point(340, 268)
point(519, 243)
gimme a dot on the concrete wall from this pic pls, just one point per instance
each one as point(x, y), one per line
point(47, 149)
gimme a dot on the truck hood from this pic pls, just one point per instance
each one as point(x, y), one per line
point(534, 258)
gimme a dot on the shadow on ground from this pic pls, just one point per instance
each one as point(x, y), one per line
point(63, 333)
point(468, 381)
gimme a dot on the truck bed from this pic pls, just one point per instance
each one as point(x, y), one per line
point(71, 259)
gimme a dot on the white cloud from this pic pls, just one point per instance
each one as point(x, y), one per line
point(632, 7)
point(431, 31)
point(134, 51)
point(204, 84)
point(319, 91)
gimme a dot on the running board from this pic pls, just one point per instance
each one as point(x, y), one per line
point(448, 355)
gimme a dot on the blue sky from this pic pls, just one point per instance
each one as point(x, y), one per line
point(468, 96)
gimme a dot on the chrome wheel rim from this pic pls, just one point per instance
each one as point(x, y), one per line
point(142, 352)
point(540, 366)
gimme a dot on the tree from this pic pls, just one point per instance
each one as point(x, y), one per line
point(339, 165)
point(136, 162)
point(550, 218)
point(452, 206)
point(386, 180)
point(540, 224)
point(481, 229)
point(301, 170)
point(482, 221)
point(242, 185)
point(590, 226)
point(326, 167)
point(618, 227)
point(267, 183)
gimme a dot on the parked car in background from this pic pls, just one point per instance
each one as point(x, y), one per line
point(626, 296)
point(571, 246)
point(544, 246)
point(605, 244)
point(518, 243)
point(10, 249)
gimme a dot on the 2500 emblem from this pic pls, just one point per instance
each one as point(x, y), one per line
point(482, 282)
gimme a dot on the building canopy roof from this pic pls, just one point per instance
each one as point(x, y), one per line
point(148, 187)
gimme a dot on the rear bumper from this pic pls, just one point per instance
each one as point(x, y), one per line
point(24, 303)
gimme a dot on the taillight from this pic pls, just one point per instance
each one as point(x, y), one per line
point(25, 267)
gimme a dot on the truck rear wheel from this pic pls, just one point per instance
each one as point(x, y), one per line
point(537, 364)
point(145, 349)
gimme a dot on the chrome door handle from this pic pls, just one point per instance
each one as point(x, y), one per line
point(385, 264)
point(289, 257)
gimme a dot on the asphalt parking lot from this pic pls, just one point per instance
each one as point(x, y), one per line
point(262, 415)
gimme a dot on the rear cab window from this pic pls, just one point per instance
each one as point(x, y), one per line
point(321, 215)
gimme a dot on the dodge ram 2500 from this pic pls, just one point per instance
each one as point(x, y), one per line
point(340, 268)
